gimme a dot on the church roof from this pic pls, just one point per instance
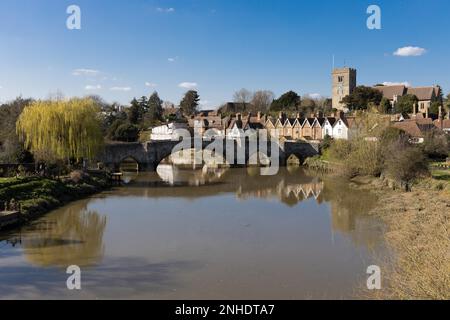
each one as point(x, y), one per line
point(390, 91)
point(422, 93)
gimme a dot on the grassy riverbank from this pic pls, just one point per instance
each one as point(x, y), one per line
point(418, 234)
point(417, 237)
point(38, 195)
point(417, 230)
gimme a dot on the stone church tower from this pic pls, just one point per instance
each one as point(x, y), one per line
point(344, 82)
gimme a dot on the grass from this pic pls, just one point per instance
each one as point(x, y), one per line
point(441, 174)
point(418, 234)
point(38, 195)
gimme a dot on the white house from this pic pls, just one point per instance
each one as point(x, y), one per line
point(240, 128)
point(167, 131)
point(327, 128)
point(340, 129)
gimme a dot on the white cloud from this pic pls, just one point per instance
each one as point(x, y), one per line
point(150, 84)
point(85, 72)
point(314, 95)
point(124, 89)
point(405, 83)
point(172, 59)
point(203, 102)
point(188, 85)
point(410, 52)
point(165, 10)
point(89, 87)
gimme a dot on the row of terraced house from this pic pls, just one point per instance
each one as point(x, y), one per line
point(211, 124)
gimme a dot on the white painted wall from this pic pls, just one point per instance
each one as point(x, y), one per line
point(340, 130)
point(167, 131)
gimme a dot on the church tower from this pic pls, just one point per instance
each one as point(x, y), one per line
point(344, 82)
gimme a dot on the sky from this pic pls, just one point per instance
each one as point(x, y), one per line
point(128, 49)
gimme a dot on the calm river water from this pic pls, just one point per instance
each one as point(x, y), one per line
point(217, 234)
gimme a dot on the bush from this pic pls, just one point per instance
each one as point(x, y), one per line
point(436, 145)
point(326, 143)
point(405, 163)
point(127, 133)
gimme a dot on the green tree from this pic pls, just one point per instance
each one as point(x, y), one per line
point(155, 109)
point(406, 103)
point(11, 150)
point(289, 101)
point(61, 130)
point(434, 108)
point(134, 112)
point(127, 132)
point(362, 97)
point(189, 103)
point(111, 131)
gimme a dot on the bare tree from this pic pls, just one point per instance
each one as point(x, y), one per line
point(168, 105)
point(242, 96)
point(262, 100)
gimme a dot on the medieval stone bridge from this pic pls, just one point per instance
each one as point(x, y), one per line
point(149, 154)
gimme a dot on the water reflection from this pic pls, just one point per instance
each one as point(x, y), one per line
point(203, 234)
point(73, 235)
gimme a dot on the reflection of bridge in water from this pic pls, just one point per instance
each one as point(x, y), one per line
point(289, 187)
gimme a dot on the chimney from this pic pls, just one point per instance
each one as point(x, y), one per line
point(426, 112)
point(414, 108)
point(312, 115)
point(258, 116)
point(238, 116)
point(340, 115)
point(297, 115)
point(280, 115)
point(440, 113)
point(319, 114)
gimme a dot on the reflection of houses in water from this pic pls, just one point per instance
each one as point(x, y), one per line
point(289, 193)
point(174, 175)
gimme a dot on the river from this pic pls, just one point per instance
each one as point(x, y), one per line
point(200, 234)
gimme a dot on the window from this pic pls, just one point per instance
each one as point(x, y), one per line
point(340, 78)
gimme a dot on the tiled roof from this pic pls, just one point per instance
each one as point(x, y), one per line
point(390, 91)
point(331, 120)
point(422, 93)
point(321, 121)
point(442, 124)
point(414, 128)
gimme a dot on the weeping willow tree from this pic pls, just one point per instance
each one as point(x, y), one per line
point(61, 129)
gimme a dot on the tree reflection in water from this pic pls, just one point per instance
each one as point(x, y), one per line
point(69, 236)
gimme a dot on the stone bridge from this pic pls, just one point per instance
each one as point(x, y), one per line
point(237, 153)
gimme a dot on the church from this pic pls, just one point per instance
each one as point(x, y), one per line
point(344, 83)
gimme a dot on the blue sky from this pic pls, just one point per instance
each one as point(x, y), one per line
point(130, 48)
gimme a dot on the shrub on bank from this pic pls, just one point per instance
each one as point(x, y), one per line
point(390, 154)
